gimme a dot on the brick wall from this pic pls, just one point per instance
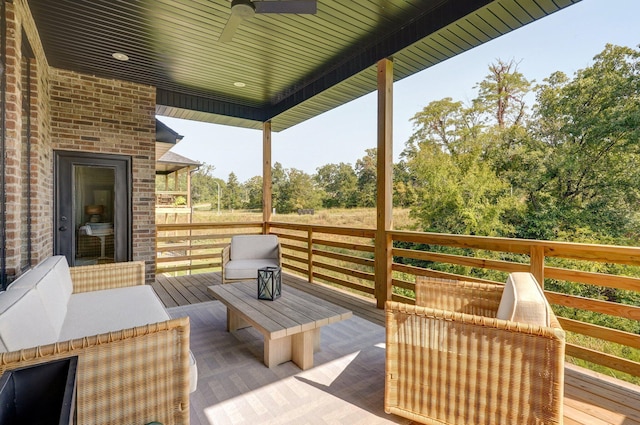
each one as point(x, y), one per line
point(19, 23)
point(91, 114)
point(72, 112)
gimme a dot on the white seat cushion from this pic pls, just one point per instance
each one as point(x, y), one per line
point(96, 312)
point(523, 301)
point(247, 269)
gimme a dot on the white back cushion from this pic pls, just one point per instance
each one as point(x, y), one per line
point(23, 320)
point(523, 301)
point(52, 281)
point(249, 247)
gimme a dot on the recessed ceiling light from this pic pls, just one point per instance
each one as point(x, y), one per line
point(239, 84)
point(120, 56)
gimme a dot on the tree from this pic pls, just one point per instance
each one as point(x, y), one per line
point(366, 172)
point(502, 93)
point(253, 188)
point(458, 194)
point(278, 182)
point(232, 193)
point(590, 129)
point(297, 190)
point(203, 188)
point(339, 182)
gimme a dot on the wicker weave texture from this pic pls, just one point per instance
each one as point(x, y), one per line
point(133, 376)
point(107, 276)
point(479, 299)
point(446, 367)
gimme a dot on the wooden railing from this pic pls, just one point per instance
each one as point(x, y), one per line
point(345, 257)
point(196, 246)
point(337, 255)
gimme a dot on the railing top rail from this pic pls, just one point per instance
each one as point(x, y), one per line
point(200, 226)
point(579, 251)
point(340, 230)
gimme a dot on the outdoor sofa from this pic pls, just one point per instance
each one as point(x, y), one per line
point(475, 353)
point(242, 258)
point(134, 363)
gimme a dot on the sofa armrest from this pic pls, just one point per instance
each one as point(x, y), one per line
point(514, 370)
point(107, 276)
point(279, 255)
point(225, 255)
point(136, 375)
point(475, 298)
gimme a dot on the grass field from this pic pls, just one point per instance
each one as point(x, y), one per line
point(356, 217)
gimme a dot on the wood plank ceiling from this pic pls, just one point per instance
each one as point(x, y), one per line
point(294, 67)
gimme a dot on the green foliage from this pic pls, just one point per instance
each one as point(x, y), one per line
point(253, 188)
point(232, 195)
point(339, 182)
point(366, 171)
point(299, 191)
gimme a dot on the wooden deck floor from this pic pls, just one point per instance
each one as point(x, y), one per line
point(590, 398)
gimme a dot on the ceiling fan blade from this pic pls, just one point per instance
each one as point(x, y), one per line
point(287, 6)
point(230, 28)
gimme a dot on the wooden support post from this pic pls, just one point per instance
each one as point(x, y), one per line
point(310, 254)
point(537, 264)
point(384, 204)
point(189, 187)
point(266, 176)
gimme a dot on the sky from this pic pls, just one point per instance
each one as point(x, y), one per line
point(564, 41)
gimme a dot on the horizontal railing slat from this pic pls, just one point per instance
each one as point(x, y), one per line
point(598, 306)
point(483, 263)
point(345, 283)
point(592, 278)
point(614, 362)
point(418, 271)
point(344, 270)
point(600, 332)
point(343, 257)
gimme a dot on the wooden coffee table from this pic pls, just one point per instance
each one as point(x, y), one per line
point(290, 325)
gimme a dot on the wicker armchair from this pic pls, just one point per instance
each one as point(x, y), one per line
point(131, 376)
point(454, 362)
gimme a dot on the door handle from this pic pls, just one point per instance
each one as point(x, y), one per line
point(62, 228)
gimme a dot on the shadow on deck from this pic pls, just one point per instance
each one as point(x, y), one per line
point(590, 398)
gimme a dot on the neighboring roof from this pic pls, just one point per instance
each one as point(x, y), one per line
point(166, 134)
point(172, 161)
point(166, 138)
point(294, 66)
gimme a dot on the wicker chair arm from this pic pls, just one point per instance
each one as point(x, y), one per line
point(136, 375)
point(107, 276)
point(474, 298)
point(226, 255)
point(436, 358)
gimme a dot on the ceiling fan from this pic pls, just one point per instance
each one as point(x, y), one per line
point(245, 9)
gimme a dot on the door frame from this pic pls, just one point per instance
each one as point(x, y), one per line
point(122, 192)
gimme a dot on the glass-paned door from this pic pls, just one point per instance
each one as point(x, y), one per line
point(93, 208)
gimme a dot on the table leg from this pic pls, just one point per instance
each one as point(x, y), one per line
point(235, 321)
point(304, 345)
point(316, 340)
point(277, 351)
point(298, 348)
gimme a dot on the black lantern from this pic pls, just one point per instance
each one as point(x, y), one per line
point(269, 283)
